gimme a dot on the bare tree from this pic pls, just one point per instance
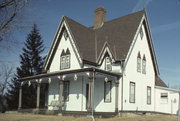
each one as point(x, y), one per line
point(6, 73)
point(10, 12)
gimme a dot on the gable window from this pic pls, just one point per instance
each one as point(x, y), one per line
point(65, 60)
point(65, 34)
point(107, 91)
point(148, 95)
point(66, 91)
point(141, 33)
point(164, 98)
point(139, 62)
point(108, 66)
point(144, 65)
point(132, 92)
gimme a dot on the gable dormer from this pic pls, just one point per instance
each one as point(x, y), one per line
point(64, 51)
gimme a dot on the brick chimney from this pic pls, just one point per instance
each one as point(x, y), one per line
point(99, 17)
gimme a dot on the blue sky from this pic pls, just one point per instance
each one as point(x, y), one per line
point(163, 16)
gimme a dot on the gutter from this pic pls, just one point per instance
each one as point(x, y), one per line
point(169, 89)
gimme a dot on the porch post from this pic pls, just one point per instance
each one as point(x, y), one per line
point(60, 94)
point(89, 95)
point(116, 95)
point(20, 98)
point(91, 91)
point(38, 95)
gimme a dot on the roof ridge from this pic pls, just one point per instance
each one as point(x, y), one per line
point(68, 18)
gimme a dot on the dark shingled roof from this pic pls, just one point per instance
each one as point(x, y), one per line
point(118, 33)
point(84, 39)
point(159, 82)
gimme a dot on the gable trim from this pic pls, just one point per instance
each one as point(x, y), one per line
point(105, 49)
point(63, 25)
point(58, 34)
point(149, 37)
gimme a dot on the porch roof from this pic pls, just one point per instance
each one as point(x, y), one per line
point(70, 72)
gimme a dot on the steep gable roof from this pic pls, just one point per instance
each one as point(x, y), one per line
point(118, 33)
point(84, 38)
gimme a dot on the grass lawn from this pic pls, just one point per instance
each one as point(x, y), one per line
point(33, 117)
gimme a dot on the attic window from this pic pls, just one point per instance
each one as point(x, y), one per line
point(65, 59)
point(65, 34)
point(139, 62)
point(141, 33)
point(144, 65)
point(108, 66)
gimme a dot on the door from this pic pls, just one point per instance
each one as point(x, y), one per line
point(87, 95)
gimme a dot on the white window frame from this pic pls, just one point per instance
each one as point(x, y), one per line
point(164, 98)
point(144, 66)
point(65, 61)
point(68, 61)
point(138, 63)
point(62, 62)
point(108, 65)
point(148, 95)
point(132, 92)
point(107, 91)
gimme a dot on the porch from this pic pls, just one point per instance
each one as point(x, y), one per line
point(83, 90)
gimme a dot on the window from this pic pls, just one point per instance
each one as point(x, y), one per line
point(141, 33)
point(144, 65)
point(139, 62)
point(65, 60)
point(65, 34)
point(66, 90)
point(148, 95)
point(132, 92)
point(108, 65)
point(107, 91)
point(164, 98)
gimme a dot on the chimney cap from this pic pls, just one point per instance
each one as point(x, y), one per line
point(100, 8)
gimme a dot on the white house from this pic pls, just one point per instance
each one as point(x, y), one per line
point(110, 67)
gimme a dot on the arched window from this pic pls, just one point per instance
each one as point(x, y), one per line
point(108, 66)
point(65, 59)
point(68, 55)
point(144, 65)
point(139, 62)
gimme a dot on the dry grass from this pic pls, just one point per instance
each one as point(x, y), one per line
point(33, 117)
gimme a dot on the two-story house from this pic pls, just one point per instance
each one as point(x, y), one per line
point(110, 67)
